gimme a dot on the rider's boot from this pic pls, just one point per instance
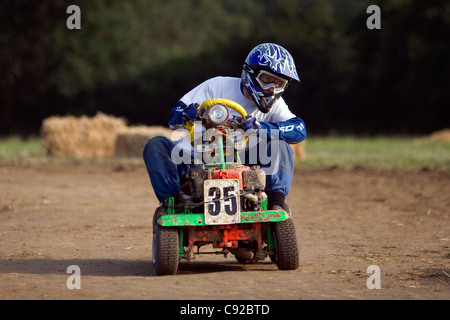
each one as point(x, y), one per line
point(276, 199)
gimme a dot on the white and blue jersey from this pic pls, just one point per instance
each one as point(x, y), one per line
point(291, 128)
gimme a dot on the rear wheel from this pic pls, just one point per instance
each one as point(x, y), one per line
point(285, 236)
point(165, 248)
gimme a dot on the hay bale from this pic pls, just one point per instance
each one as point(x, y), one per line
point(81, 137)
point(105, 136)
point(441, 135)
point(132, 140)
point(299, 150)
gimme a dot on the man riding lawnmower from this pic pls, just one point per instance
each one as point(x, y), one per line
point(267, 72)
point(236, 205)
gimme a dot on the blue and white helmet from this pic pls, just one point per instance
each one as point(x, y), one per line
point(271, 59)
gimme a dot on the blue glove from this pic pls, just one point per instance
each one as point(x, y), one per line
point(190, 112)
point(250, 123)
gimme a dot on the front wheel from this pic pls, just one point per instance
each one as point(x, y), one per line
point(285, 235)
point(165, 249)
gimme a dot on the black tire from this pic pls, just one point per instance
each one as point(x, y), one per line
point(287, 256)
point(165, 249)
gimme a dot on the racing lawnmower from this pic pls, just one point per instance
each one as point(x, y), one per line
point(222, 204)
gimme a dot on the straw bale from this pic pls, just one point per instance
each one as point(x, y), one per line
point(131, 140)
point(299, 150)
point(81, 137)
point(104, 136)
point(441, 135)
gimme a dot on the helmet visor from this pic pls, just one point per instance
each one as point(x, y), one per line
point(268, 80)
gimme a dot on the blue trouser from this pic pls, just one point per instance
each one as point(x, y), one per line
point(167, 177)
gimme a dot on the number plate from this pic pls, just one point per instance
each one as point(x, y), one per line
point(222, 204)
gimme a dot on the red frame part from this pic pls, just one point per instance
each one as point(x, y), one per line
point(225, 236)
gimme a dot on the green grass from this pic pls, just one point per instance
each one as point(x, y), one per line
point(321, 152)
point(378, 153)
point(15, 148)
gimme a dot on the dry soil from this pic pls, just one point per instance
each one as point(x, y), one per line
point(98, 216)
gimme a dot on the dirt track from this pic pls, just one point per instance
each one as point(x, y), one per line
point(98, 217)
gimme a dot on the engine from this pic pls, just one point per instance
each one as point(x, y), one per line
point(252, 181)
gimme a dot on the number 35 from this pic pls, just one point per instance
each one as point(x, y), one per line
point(229, 200)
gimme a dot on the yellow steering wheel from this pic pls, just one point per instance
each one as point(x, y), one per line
point(208, 103)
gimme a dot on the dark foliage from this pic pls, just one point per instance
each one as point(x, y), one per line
point(137, 58)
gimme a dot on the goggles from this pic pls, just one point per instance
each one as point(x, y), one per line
point(268, 80)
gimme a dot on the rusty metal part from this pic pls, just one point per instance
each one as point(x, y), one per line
point(197, 175)
point(242, 253)
point(254, 179)
point(225, 236)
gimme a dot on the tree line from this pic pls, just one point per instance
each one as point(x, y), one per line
point(136, 58)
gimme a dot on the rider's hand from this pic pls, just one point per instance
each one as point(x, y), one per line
point(190, 112)
point(250, 123)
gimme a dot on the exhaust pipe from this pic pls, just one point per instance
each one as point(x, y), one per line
point(242, 253)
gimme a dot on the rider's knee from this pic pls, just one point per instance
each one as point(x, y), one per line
point(156, 145)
